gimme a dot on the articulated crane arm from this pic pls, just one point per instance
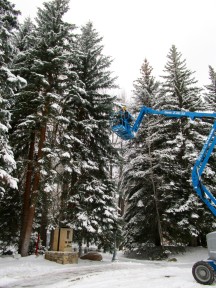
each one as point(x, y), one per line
point(125, 131)
point(199, 166)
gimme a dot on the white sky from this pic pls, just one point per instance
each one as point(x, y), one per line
point(133, 30)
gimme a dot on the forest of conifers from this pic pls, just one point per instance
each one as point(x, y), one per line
point(59, 164)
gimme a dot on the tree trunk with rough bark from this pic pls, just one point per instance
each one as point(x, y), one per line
point(27, 190)
point(32, 195)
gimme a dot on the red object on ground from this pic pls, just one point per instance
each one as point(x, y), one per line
point(37, 244)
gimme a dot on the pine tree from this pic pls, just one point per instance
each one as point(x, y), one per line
point(177, 150)
point(142, 217)
point(174, 146)
point(47, 62)
point(8, 82)
point(211, 90)
point(207, 224)
point(91, 203)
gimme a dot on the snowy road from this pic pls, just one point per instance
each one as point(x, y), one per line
point(72, 274)
point(37, 272)
point(108, 275)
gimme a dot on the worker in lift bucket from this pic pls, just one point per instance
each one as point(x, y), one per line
point(124, 116)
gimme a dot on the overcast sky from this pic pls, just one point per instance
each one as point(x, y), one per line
point(133, 30)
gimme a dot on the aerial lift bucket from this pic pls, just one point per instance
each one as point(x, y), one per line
point(123, 131)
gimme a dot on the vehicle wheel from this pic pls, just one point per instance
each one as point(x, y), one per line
point(203, 273)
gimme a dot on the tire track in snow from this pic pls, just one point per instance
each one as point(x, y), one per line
point(72, 274)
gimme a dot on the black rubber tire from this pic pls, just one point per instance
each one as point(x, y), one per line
point(203, 273)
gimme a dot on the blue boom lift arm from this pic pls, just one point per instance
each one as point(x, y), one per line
point(125, 131)
point(204, 272)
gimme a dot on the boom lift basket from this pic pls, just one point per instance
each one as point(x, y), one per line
point(123, 131)
point(120, 126)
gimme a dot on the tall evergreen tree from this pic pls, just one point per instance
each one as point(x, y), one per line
point(91, 203)
point(9, 83)
point(8, 22)
point(142, 217)
point(210, 94)
point(209, 173)
point(177, 150)
point(174, 145)
point(47, 65)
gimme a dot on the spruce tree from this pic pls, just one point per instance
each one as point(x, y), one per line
point(91, 203)
point(208, 178)
point(142, 217)
point(9, 83)
point(174, 146)
point(178, 147)
point(210, 94)
point(47, 65)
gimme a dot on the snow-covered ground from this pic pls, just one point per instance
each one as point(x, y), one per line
point(35, 272)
